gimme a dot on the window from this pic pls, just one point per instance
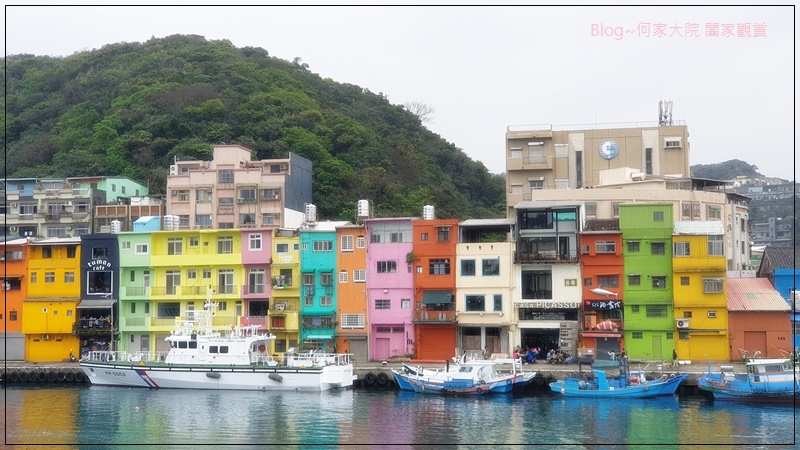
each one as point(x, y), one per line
point(191, 274)
point(584, 249)
point(49, 277)
point(587, 281)
point(536, 185)
point(183, 196)
point(395, 237)
point(606, 281)
point(308, 300)
point(423, 236)
point(326, 300)
point(255, 242)
point(712, 285)
point(33, 277)
point(387, 266)
point(206, 274)
point(656, 310)
point(194, 241)
point(69, 277)
point(343, 277)
point(167, 310)
point(633, 246)
point(659, 282)
point(225, 176)
point(322, 246)
point(680, 249)
point(591, 209)
point(687, 314)
point(658, 216)
point(352, 321)
point(308, 279)
point(126, 245)
point(326, 279)
point(361, 242)
point(99, 253)
point(498, 302)
point(347, 243)
point(476, 303)
point(133, 308)
point(634, 280)
point(713, 212)
point(71, 251)
point(634, 308)
point(615, 209)
point(605, 246)
point(443, 234)
point(225, 281)
point(282, 248)
point(12, 315)
point(684, 281)
point(636, 335)
point(247, 220)
point(648, 160)
point(467, 267)
point(383, 303)
point(360, 276)
point(439, 267)
point(570, 281)
point(491, 267)
point(174, 246)
point(405, 303)
point(225, 245)
point(203, 195)
point(656, 248)
point(715, 245)
point(271, 219)
point(141, 249)
point(712, 314)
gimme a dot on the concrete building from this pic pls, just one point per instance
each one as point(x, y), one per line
point(234, 191)
point(14, 274)
point(352, 331)
point(126, 211)
point(565, 157)
point(759, 320)
point(284, 311)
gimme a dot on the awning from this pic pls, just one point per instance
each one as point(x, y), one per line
point(601, 335)
point(318, 337)
point(96, 303)
point(436, 297)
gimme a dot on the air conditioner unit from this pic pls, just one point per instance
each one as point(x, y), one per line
point(241, 200)
point(45, 337)
point(284, 167)
point(174, 192)
point(682, 323)
point(13, 229)
point(280, 306)
point(173, 169)
point(14, 205)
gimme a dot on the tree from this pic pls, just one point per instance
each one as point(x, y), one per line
point(423, 111)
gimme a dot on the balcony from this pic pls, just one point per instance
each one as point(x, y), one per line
point(537, 162)
point(545, 257)
point(135, 291)
point(254, 289)
point(25, 217)
point(434, 316)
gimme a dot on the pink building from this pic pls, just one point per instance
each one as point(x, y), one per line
point(257, 289)
point(390, 287)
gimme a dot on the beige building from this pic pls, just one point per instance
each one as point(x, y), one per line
point(553, 157)
point(234, 191)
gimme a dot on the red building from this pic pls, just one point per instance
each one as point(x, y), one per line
point(602, 267)
point(14, 269)
point(434, 264)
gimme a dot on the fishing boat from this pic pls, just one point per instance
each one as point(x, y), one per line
point(202, 358)
point(629, 384)
point(765, 380)
point(476, 377)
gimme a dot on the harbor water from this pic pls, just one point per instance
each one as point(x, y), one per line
point(71, 417)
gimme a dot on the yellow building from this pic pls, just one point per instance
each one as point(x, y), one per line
point(284, 311)
point(186, 266)
point(49, 311)
point(700, 302)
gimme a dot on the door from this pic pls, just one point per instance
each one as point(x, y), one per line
point(606, 346)
point(144, 343)
point(657, 352)
point(382, 349)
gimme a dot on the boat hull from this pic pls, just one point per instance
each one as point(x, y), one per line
point(431, 385)
point(219, 378)
point(642, 391)
point(723, 391)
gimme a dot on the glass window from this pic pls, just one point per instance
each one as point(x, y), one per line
point(347, 243)
point(715, 245)
point(491, 267)
point(634, 280)
point(282, 248)
point(343, 276)
point(656, 310)
point(383, 303)
point(658, 216)
point(498, 302)
point(387, 266)
point(591, 209)
point(467, 267)
point(326, 300)
point(439, 266)
point(69, 277)
point(659, 282)
point(605, 246)
point(680, 249)
point(360, 276)
point(476, 303)
point(225, 176)
point(684, 281)
point(255, 241)
point(657, 248)
point(225, 245)
point(713, 285)
point(633, 246)
point(605, 281)
point(174, 246)
point(361, 242)
point(405, 303)
point(322, 246)
point(443, 234)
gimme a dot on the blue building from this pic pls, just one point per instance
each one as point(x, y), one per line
point(779, 265)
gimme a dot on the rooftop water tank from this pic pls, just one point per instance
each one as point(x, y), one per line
point(428, 212)
point(116, 226)
point(311, 213)
point(363, 208)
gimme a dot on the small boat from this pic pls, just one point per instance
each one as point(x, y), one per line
point(475, 377)
point(765, 380)
point(201, 358)
point(629, 384)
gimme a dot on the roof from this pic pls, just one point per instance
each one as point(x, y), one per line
point(51, 299)
point(486, 222)
point(324, 226)
point(96, 303)
point(782, 257)
point(709, 227)
point(754, 294)
point(547, 204)
point(604, 225)
point(57, 241)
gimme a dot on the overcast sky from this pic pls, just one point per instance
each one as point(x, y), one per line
point(486, 68)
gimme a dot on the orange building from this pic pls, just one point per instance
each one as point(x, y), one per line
point(602, 267)
point(14, 270)
point(352, 330)
point(434, 261)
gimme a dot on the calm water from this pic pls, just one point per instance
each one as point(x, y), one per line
point(113, 416)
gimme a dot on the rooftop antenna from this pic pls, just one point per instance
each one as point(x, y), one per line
point(665, 113)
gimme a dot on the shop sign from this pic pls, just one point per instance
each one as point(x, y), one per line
point(547, 304)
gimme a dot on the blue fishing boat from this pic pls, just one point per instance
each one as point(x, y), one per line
point(470, 378)
point(765, 380)
point(629, 384)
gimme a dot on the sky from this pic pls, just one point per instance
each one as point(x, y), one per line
point(728, 70)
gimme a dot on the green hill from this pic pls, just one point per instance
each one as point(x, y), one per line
point(129, 109)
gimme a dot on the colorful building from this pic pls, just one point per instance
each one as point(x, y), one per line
point(352, 330)
point(485, 285)
point(257, 289)
point(390, 287)
point(14, 270)
point(759, 320)
point(698, 286)
point(602, 268)
point(54, 289)
point(433, 260)
point(98, 313)
point(136, 308)
point(647, 253)
point(284, 312)
point(318, 272)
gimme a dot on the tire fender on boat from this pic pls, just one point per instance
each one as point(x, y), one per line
point(370, 378)
point(382, 378)
point(480, 390)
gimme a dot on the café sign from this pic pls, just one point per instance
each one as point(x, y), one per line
point(548, 304)
point(99, 264)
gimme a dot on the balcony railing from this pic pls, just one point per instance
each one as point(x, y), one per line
point(543, 257)
point(254, 289)
point(435, 316)
point(135, 291)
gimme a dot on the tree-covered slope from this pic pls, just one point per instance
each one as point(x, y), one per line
point(129, 109)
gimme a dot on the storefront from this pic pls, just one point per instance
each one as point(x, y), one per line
point(548, 324)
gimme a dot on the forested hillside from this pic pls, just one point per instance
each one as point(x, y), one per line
point(129, 109)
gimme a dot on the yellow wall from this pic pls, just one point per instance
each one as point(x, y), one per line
point(59, 264)
point(48, 330)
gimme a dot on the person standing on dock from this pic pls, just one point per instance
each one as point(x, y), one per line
point(674, 358)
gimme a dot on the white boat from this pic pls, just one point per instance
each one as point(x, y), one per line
point(200, 358)
point(474, 377)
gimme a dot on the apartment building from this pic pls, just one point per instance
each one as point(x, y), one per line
point(235, 191)
point(14, 274)
point(352, 330)
point(284, 311)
